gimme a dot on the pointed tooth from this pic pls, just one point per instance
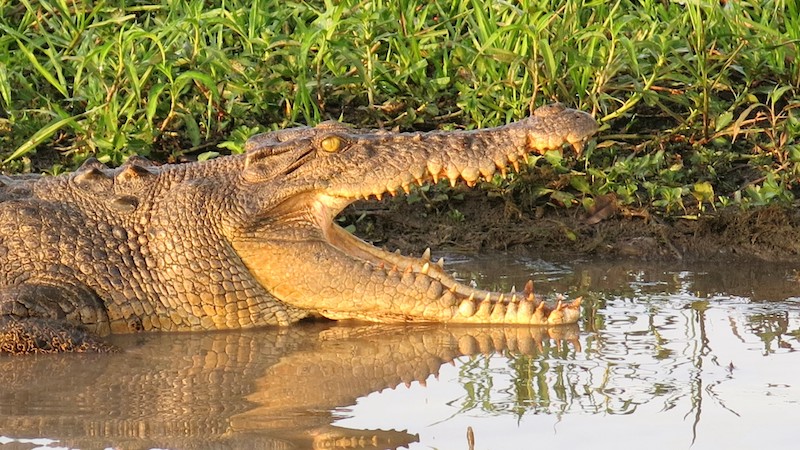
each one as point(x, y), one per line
point(379, 196)
point(513, 289)
point(515, 164)
point(406, 189)
point(434, 168)
point(418, 173)
point(440, 262)
point(452, 173)
point(514, 298)
point(528, 288)
point(397, 252)
point(425, 268)
point(427, 254)
point(453, 289)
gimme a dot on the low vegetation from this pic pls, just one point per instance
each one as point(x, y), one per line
point(697, 99)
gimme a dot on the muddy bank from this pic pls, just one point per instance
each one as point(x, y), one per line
point(477, 222)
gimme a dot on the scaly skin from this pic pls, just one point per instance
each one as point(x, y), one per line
point(249, 240)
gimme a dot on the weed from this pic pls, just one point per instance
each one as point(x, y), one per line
point(697, 102)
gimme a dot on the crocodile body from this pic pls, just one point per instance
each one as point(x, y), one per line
point(248, 240)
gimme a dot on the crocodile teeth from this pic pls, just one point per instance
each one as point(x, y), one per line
point(427, 254)
point(434, 168)
point(440, 263)
point(528, 288)
point(452, 173)
point(425, 268)
point(417, 173)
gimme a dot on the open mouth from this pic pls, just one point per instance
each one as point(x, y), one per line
point(460, 302)
point(309, 262)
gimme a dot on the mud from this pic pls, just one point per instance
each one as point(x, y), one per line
point(476, 222)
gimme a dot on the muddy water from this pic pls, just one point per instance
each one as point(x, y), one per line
point(667, 356)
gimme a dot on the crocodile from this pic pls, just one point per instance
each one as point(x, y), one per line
point(250, 240)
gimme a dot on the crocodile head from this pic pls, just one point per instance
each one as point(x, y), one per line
point(296, 181)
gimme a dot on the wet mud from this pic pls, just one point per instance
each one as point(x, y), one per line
point(475, 222)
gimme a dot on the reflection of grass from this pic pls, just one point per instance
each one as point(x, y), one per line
point(771, 329)
point(534, 383)
point(663, 359)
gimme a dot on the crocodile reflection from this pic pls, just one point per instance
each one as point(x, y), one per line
point(272, 388)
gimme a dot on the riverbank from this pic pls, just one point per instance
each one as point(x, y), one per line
point(475, 222)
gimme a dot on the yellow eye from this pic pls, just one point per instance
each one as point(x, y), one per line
point(331, 144)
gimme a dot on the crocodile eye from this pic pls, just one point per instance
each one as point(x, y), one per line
point(331, 144)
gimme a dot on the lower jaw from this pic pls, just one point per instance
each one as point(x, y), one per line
point(444, 299)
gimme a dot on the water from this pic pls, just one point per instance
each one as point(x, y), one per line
point(667, 356)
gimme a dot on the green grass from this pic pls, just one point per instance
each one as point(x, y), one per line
point(698, 102)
